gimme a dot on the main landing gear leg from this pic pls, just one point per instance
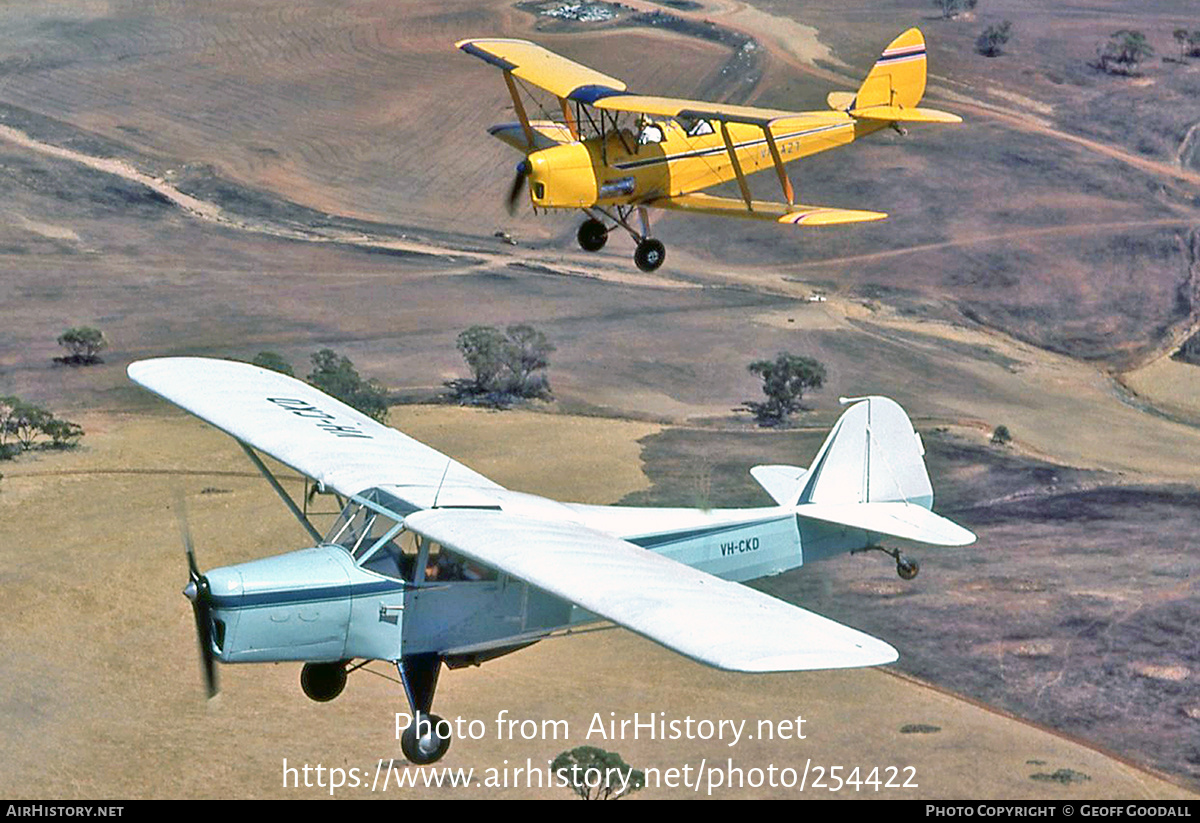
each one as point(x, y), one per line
point(428, 736)
point(593, 234)
point(906, 567)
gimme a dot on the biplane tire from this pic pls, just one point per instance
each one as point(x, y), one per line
point(427, 749)
point(323, 682)
point(592, 235)
point(907, 568)
point(650, 254)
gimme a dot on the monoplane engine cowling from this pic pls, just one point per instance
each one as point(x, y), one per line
point(294, 606)
point(562, 177)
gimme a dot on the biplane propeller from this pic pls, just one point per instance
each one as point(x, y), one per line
point(589, 159)
point(430, 564)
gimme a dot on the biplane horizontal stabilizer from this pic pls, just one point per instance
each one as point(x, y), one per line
point(900, 114)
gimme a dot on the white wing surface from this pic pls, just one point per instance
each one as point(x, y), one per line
point(723, 624)
point(906, 520)
point(304, 428)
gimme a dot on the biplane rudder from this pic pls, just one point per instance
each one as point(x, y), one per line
point(896, 79)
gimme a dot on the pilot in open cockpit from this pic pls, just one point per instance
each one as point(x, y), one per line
point(649, 132)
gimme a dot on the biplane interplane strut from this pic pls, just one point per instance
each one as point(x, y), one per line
point(591, 159)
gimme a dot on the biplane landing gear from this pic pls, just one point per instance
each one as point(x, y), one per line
point(906, 567)
point(323, 682)
point(650, 254)
point(428, 736)
point(592, 235)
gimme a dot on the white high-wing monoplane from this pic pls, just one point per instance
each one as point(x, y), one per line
point(431, 563)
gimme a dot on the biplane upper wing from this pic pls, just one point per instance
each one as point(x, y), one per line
point(797, 214)
point(302, 427)
point(543, 68)
point(714, 621)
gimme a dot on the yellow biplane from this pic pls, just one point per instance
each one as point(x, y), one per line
point(590, 160)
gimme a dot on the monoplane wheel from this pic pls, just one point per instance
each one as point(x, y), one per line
point(650, 254)
point(323, 682)
point(592, 235)
point(907, 568)
point(430, 746)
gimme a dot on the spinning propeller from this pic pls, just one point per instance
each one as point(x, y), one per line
point(518, 185)
point(198, 591)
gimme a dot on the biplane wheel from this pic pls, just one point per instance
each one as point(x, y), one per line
point(430, 747)
point(323, 682)
point(592, 235)
point(650, 254)
point(907, 568)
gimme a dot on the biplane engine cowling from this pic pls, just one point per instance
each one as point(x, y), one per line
point(562, 177)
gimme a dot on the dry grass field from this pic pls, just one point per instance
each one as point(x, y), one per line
point(228, 177)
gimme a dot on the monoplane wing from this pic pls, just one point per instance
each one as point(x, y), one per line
point(543, 68)
point(797, 214)
point(714, 621)
point(302, 427)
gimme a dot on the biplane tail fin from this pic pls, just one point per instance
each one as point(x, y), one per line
point(870, 475)
point(894, 86)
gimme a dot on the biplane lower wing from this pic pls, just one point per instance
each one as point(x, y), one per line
point(546, 133)
point(302, 427)
point(799, 215)
point(710, 620)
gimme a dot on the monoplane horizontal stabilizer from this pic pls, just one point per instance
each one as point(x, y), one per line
point(713, 621)
point(907, 521)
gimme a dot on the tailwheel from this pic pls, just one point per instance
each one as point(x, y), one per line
point(907, 568)
point(426, 739)
point(592, 235)
point(650, 254)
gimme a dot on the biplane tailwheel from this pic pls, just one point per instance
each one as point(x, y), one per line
point(426, 739)
point(323, 682)
point(650, 254)
point(907, 568)
point(592, 235)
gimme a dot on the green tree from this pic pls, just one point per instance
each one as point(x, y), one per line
point(1001, 436)
point(62, 433)
point(505, 366)
point(26, 422)
point(952, 8)
point(785, 379)
point(1181, 37)
point(594, 774)
point(527, 357)
point(991, 42)
point(273, 361)
point(1123, 52)
point(84, 344)
point(486, 352)
point(336, 376)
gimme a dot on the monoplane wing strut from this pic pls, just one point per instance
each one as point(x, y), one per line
point(714, 621)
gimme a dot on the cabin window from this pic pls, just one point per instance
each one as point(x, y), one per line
point(445, 565)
